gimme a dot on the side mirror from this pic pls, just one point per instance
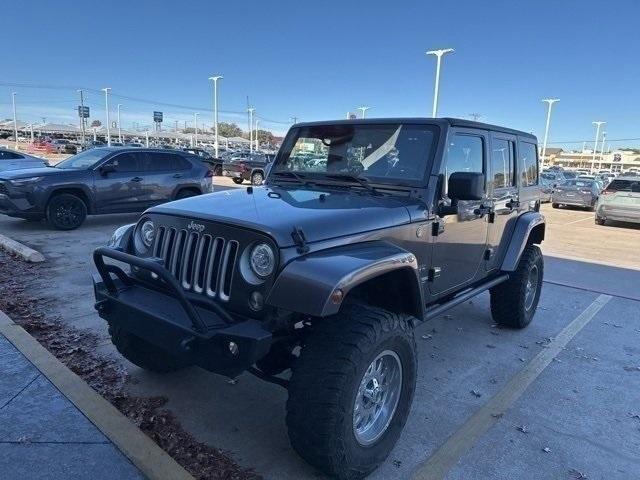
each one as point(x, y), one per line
point(466, 186)
point(107, 168)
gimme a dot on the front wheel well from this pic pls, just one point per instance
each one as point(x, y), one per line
point(397, 291)
point(72, 191)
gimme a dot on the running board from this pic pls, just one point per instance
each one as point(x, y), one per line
point(463, 297)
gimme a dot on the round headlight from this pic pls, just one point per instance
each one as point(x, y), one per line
point(262, 260)
point(147, 233)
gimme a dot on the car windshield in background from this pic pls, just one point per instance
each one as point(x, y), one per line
point(393, 152)
point(84, 160)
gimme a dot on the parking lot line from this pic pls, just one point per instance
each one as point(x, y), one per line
point(437, 466)
point(580, 220)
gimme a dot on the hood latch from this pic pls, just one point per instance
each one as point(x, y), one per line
point(300, 240)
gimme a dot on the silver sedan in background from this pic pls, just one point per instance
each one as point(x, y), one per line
point(578, 193)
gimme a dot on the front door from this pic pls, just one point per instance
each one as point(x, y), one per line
point(459, 246)
point(120, 190)
point(503, 192)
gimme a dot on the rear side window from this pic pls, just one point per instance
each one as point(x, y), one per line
point(162, 162)
point(528, 164)
point(502, 159)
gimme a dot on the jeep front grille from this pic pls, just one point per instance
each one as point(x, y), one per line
point(202, 263)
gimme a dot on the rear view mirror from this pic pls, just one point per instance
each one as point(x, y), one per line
point(466, 186)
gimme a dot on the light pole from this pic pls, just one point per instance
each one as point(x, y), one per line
point(438, 54)
point(106, 105)
point(146, 134)
point(195, 124)
point(251, 110)
point(595, 146)
point(604, 138)
point(15, 121)
point(364, 109)
point(257, 141)
point(215, 79)
point(119, 129)
point(550, 102)
point(82, 122)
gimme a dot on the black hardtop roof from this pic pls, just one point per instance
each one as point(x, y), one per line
point(442, 122)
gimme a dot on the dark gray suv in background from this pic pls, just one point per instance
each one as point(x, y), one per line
point(102, 180)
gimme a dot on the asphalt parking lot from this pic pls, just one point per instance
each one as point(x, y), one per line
point(556, 400)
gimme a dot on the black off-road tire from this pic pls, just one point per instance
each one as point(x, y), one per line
point(324, 387)
point(555, 205)
point(142, 353)
point(237, 181)
point(66, 211)
point(257, 178)
point(509, 299)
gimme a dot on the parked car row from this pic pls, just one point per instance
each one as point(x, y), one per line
point(101, 180)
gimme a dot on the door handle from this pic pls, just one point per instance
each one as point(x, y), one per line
point(177, 175)
point(136, 179)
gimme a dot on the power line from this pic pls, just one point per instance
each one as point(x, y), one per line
point(591, 141)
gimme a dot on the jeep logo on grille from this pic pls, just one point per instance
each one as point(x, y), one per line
point(198, 227)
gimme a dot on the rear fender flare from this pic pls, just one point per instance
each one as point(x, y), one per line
point(529, 229)
point(306, 284)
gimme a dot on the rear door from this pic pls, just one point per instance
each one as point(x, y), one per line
point(164, 171)
point(503, 192)
point(462, 237)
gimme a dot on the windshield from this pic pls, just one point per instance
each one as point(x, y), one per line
point(383, 153)
point(83, 160)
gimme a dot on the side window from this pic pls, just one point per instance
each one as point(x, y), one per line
point(528, 164)
point(126, 162)
point(165, 162)
point(502, 159)
point(180, 163)
point(465, 153)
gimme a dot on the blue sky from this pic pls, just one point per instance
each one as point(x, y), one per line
point(319, 59)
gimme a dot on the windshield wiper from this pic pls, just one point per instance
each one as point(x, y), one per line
point(292, 175)
point(363, 182)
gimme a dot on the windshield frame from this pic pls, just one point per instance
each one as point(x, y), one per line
point(383, 182)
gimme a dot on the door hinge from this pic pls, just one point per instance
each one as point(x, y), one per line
point(492, 217)
point(488, 253)
point(437, 227)
point(434, 272)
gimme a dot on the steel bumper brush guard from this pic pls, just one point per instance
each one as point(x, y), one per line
point(192, 329)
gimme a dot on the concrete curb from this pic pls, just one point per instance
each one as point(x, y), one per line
point(28, 254)
point(143, 452)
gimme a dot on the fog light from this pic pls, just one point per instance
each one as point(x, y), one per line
point(336, 296)
point(256, 301)
point(233, 348)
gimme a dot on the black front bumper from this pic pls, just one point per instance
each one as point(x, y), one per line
point(196, 330)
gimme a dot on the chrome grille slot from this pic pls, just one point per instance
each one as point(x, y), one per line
point(213, 267)
point(176, 255)
point(202, 262)
point(189, 260)
point(226, 271)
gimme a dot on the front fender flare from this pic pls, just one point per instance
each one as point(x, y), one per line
point(305, 285)
point(520, 238)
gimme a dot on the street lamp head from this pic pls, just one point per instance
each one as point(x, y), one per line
point(106, 90)
point(439, 53)
point(597, 124)
point(551, 101)
point(215, 78)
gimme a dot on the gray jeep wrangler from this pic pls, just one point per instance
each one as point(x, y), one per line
point(317, 280)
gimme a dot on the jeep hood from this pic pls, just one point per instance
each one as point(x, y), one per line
point(277, 210)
